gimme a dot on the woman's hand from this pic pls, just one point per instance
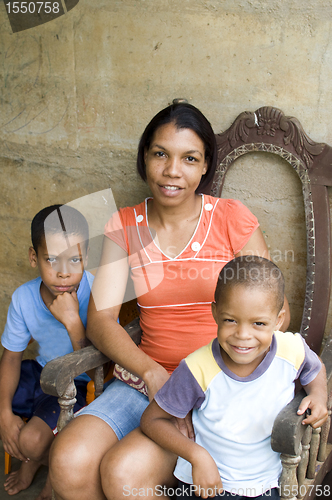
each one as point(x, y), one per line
point(155, 379)
point(185, 426)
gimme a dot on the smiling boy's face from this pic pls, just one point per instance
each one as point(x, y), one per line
point(60, 262)
point(246, 319)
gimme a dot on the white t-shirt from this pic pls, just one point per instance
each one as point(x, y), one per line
point(233, 416)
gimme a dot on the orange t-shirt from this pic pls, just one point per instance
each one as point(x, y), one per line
point(175, 294)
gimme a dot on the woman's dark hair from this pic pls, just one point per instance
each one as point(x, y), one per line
point(183, 115)
point(55, 219)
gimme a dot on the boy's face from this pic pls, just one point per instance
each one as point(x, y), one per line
point(60, 262)
point(246, 319)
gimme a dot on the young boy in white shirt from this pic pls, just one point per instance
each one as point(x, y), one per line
point(236, 386)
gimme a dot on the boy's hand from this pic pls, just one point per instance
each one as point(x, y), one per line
point(206, 478)
point(318, 410)
point(65, 308)
point(10, 429)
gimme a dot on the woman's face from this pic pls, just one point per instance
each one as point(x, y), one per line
point(175, 163)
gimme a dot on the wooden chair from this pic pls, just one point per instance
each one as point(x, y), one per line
point(8, 463)
point(306, 455)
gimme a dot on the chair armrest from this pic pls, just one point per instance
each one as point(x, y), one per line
point(288, 430)
point(60, 372)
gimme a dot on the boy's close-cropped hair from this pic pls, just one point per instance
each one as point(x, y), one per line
point(183, 115)
point(251, 271)
point(58, 219)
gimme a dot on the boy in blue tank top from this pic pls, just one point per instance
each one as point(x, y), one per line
point(236, 386)
point(51, 310)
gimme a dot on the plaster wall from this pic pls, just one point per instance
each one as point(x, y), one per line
point(76, 93)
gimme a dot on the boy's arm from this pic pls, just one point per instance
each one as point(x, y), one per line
point(157, 425)
point(10, 424)
point(65, 308)
point(315, 401)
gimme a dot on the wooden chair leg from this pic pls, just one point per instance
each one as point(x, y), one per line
point(8, 463)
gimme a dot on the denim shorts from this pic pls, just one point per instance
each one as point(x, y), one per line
point(120, 406)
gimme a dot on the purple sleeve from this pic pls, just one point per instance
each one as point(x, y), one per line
point(181, 393)
point(310, 367)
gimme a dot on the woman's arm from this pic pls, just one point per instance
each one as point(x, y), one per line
point(257, 246)
point(108, 292)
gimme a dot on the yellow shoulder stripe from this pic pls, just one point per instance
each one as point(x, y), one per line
point(203, 366)
point(290, 347)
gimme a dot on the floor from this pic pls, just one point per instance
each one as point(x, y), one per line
point(32, 492)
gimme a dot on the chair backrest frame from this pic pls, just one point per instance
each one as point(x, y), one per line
point(269, 130)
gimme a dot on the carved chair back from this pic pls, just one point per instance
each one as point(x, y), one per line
point(269, 130)
point(306, 456)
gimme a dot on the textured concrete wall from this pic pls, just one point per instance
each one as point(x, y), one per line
point(77, 92)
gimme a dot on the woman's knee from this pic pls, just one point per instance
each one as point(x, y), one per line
point(68, 453)
point(114, 474)
point(78, 449)
point(133, 465)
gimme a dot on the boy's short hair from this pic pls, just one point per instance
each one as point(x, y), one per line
point(253, 272)
point(58, 219)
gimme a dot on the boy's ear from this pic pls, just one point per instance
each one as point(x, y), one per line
point(214, 311)
point(280, 318)
point(86, 258)
point(33, 259)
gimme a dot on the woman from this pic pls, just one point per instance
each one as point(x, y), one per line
point(174, 245)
